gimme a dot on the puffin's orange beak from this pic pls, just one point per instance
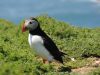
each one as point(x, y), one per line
point(23, 28)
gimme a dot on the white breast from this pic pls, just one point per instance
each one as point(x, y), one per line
point(36, 42)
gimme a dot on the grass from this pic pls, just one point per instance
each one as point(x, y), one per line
point(16, 57)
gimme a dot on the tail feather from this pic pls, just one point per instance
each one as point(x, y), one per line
point(62, 54)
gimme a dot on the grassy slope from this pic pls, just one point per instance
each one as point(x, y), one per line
point(16, 57)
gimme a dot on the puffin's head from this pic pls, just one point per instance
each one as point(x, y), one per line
point(30, 24)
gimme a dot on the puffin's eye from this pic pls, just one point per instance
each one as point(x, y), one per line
point(30, 22)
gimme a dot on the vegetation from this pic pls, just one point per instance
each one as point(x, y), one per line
point(16, 57)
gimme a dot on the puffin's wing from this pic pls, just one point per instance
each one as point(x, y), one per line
point(52, 48)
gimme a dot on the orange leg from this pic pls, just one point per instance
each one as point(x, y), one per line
point(45, 61)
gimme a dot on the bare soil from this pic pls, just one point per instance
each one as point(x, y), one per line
point(89, 67)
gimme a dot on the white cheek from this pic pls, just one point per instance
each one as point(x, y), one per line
point(34, 24)
point(31, 26)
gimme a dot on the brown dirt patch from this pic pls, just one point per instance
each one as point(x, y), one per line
point(88, 68)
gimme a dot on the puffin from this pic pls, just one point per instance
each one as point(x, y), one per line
point(41, 43)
